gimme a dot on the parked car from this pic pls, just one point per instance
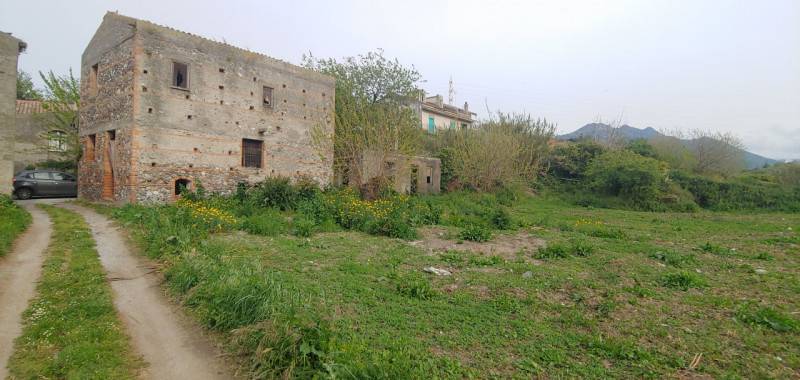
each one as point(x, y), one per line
point(44, 183)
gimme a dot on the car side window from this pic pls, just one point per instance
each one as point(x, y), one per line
point(41, 175)
point(59, 176)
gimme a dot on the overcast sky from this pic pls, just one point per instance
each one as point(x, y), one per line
point(722, 65)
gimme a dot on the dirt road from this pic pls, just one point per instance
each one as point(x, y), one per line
point(173, 348)
point(19, 272)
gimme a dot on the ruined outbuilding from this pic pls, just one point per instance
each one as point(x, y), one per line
point(162, 109)
point(405, 174)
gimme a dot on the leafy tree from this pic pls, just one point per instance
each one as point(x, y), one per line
point(372, 114)
point(570, 160)
point(61, 100)
point(25, 87)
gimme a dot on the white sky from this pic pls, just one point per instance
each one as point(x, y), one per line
point(722, 65)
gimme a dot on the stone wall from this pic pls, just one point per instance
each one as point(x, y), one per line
point(9, 52)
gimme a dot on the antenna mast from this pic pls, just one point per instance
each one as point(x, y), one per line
point(451, 93)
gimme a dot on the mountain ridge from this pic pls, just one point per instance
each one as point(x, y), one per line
point(602, 131)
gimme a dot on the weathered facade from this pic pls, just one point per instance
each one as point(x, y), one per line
point(406, 174)
point(436, 115)
point(34, 141)
point(10, 48)
point(162, 108)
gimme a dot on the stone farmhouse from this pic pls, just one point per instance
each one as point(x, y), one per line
point(161, 109)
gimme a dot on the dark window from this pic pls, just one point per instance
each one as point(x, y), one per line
point(112, 134)
point(180, 75)
point(91, 140)
point(267, 97)
point(181, 185)
point(252, 153)
point(93, 79)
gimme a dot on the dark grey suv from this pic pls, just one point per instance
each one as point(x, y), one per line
point(44, 183)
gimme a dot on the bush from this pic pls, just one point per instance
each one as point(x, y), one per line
point(475, 233)
point(274, 192)
point(571, 160)
point(628, 175)
point(394, 216)
point(746, 192)
point(415, 287)
point(501, 219)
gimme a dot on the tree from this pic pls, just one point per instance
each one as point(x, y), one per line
point(716, 152)
point(629, 175)
point(372, 112)
point(25, 87)
point(61, 101)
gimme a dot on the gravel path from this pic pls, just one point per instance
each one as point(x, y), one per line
point(171, 345)
point(19, 272)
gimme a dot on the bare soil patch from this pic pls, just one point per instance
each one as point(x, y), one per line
point(437, 239)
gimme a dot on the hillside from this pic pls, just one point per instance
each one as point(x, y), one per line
point(601, 131)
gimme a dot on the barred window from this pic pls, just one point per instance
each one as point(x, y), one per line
point(57, 141)
point(252, 153)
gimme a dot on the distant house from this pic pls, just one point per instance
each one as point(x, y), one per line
point(34, 140)
point(435, 115)
point(163, 109)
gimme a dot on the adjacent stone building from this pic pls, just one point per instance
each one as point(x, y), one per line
point(10, 48)
point(406, 174)
point(162, 108)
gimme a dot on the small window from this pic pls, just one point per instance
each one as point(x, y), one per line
point(463, 125)
point(267, 97)
point(112, 134)
point(182, 185)
point(91, 141)
point(452, 124)
point(429, 176)
point(252, 152)
point(180, 75)
point(57, 141)
point(93, 79)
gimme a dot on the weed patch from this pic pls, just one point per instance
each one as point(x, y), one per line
point(768, 317)
point(475, 233)
point(13, 220)
point(682, 280)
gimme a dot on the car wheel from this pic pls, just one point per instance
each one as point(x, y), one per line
point(24, 193)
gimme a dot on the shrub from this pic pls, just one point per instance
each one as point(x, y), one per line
point(501, 219)
point(682, 280)
point(628, 175)
point(582, 248)
point(394, 216)
point(475, 233)
point(755, 315)
point(274, 192)
point(571, 160)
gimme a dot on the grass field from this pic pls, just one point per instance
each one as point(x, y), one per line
point(615, 294)
point(71, 330)
point(13, 220)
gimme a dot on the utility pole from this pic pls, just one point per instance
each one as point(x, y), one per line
point(451, 93)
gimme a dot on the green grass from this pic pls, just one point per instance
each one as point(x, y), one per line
point(71, 329)
point(626, 295)
point(13, 220)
